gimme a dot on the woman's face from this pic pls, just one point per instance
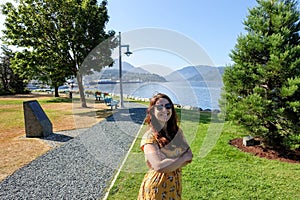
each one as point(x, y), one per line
point(162, 110)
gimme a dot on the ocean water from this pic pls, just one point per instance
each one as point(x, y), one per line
point(203, 95)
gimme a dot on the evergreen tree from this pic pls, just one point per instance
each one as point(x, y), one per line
point(10, 83)
point(261, 88)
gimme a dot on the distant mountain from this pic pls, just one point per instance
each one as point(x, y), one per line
point(126, 67)
point(197, 73)
point(129, 74)
point(134, 74)
point(139, 70)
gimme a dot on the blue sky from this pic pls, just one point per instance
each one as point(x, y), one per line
point(213, 25)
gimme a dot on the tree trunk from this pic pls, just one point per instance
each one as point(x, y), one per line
point(56, 94)
point(81, 90)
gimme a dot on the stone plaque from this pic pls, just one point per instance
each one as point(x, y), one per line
point(37, 124)
point(248, 141)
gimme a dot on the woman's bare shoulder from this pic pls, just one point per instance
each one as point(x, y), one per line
point(148, 138)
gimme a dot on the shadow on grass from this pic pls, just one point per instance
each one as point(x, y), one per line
point(203, 117)
point(60, 100)
point(103, 113)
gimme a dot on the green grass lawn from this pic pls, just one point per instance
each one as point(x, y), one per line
point(218, 170)
point(12, 111)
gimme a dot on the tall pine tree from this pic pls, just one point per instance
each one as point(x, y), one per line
point(262, 87)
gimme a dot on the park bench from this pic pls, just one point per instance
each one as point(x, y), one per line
point(109, 101)
point(99, 96)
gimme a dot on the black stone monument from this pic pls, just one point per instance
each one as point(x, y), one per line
point(37, 124)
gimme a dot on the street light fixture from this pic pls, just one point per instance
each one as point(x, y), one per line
point(127, 53)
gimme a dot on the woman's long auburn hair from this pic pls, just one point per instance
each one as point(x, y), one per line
point(172, 126)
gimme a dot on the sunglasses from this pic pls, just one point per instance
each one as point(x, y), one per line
point(160, 107)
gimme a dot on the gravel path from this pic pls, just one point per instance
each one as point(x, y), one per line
point(83, 162)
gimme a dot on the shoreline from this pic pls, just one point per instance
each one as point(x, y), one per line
point(89, 93)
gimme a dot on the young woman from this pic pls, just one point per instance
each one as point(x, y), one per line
point(166, 152)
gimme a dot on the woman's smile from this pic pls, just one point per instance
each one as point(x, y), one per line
point(163, 111)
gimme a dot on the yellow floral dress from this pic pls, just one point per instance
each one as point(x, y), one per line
point(161, 186)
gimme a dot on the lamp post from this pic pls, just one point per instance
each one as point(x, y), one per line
point(128, 53)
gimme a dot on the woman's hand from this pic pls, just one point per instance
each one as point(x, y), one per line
point(162, 164)
point(188, 156)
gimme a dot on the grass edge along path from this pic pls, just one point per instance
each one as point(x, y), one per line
point(225, 173)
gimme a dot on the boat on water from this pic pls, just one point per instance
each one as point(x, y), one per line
point(107, 81)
